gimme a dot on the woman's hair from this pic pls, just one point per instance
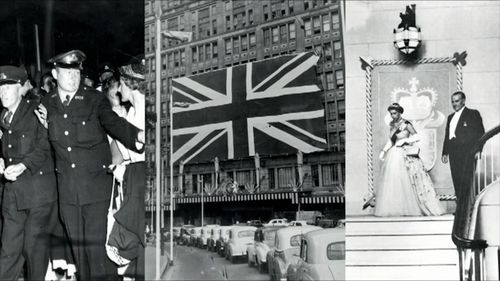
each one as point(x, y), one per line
point(47, 79)
point(397, 107)
point(133, 76)
point(134, 84)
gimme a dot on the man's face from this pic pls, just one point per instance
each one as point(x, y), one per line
point(10, 95)
point(457, 102)
point(68, 79)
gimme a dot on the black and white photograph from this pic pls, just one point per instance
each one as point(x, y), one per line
point(73, 138)
point(422, 103)
point(247, 101)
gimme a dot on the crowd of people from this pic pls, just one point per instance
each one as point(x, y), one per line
point(73, 172)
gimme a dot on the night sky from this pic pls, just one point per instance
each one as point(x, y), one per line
point(105, 30)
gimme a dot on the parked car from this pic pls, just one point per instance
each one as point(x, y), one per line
point(185, 234)
point(221, 243)
point(205, 234)
point(194, 234)
point(263, 241)
point(212, 239)
point(256, 223)
point(322, 256)
point(286, 250)
point(240, 237)
point(297, 223)
point(275, 222)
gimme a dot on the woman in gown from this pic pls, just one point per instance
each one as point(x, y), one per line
point(404, 187)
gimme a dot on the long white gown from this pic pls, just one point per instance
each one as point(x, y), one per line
point(404, 187)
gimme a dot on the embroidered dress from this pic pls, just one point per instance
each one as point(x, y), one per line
point(404, 187)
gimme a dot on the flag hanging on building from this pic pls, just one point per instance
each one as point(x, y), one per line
point(267, 107)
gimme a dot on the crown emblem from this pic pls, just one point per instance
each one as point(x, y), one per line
point(418, 103)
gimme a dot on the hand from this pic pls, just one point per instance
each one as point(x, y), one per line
point(382, 155)
point(2, 166)
point(41, 113)
point(444, 158)
point(141, 136)
point(13, 171)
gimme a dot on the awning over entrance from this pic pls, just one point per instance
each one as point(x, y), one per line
point(294, 197)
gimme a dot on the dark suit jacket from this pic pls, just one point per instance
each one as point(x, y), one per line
point(25, 141)
point(78, 135)
point(469, 130)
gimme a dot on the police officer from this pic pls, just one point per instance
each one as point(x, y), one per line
point(29, 205)
point(78, 120)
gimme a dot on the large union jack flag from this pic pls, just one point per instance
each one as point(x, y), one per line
point(268, 107)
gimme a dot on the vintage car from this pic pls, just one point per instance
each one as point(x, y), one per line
point(194, 234)
point(256, 223)
point(286, 250)
point(263, 241)
point(240, 237)
point(221, 243)
point(322, 256)
point(297, 223)
point(206, 232)
point(275, 222)
point(185, 234)
point(212, 238)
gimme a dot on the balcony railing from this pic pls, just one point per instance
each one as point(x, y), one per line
point(483, 164)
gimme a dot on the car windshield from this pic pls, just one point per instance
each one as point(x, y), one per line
point(246, 233)
point(269, 237)
point(295, 240)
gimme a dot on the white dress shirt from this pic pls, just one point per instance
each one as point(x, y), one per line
point(454, 122)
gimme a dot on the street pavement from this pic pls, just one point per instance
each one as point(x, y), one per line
point(191, 263)
point(150, 260)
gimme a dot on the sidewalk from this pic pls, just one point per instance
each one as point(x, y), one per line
point(150, 260)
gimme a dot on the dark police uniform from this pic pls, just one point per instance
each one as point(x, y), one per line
point(29, 205)
point(77, 133)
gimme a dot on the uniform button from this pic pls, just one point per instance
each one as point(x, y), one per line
point(83, 123)
point(104, 166)
point(10, 159)
point(73, 165)
point(65, 115)
point(41, 173)
point(10, 132)
point(22, 136)
point(69, 148)
point(66, 133)
point(10, 145)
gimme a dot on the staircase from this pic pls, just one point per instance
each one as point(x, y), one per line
point(401, 248)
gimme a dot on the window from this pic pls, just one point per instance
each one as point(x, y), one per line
point(176, 59)
point(193, 29)
point(291, 31)
point(295, 240)
point(194, 52)
point(246, 233)
point(203, 14)
point(290, 6)
point(228, 5)
point(331, 111)
point(204, 29)
point(303, 251)
point(228, 22)
point(183, 57)
point(329, 174)
point(229, 47)
point(307, 27)
point(284, 33)
point(236, 45)
point(339, 76)
point(285, 177)
point(252, 40)
point(327, 47)
point(326, 23)
point(214, 27)
point(181, 22)
point(195, 183)
point(266, 12)
point(316, 25)
point(336, 251)
point(153, 65)
point(164, 62)
point(244, 43)
point(250, 17)
point(215, 51)
point(206, 181)
point(337, 49)
point(275, 34)
point(244, 177)
point(267, 37)
point(208, 51)
point(329, 80)
point(270, 174)
point(315, 175)
point(201, 53)
point(335, 21)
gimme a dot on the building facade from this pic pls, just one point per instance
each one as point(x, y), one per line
point(234, 32)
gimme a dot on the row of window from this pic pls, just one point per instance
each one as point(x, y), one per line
point(240, 43)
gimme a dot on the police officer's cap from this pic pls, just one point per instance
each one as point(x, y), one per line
point(10, 74)
point(71, 59)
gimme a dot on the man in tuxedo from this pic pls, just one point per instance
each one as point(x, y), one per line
point(463, 129)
